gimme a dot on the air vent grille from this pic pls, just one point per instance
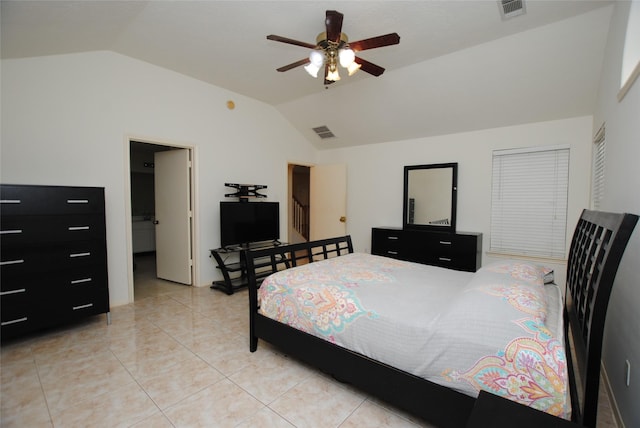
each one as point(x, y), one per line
point(511, 8)
point(323, 132)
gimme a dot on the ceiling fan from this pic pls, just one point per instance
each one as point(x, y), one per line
point(333, 47)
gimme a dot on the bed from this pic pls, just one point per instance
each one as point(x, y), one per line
point(392, 329)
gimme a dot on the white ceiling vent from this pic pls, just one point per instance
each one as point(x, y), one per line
point(323, 132)
point(511, 8)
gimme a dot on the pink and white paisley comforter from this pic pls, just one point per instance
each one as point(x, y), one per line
point(499, 329)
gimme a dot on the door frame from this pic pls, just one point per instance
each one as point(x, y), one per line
point(195, 244)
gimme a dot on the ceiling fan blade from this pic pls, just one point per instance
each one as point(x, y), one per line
point(333, 23)
point(375, 42)
point(293, 65)
point(290, 41)
point(369, 67)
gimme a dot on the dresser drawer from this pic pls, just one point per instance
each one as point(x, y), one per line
point(29, 230)
point(51, 285)
point(15, 304)
point(449, 245)
point(466, 262)
point(88, 296)
point(17, 327)
point(16, 262)
point(81, 303)
point(54, 298)
point(29, 200)
point(453, 251)
point(386, 242)
point(22, 310)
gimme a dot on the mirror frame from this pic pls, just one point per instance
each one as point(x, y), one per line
point(451, 228)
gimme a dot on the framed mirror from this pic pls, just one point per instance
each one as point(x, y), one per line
point(430, 197)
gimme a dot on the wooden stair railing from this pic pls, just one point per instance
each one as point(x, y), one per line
point(301, 218)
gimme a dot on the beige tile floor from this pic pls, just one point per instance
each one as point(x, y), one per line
point(177, 357)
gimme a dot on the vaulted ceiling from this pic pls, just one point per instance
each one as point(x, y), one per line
point(459, 66)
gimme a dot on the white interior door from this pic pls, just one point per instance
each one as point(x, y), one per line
point(328, 201)
point(173, 215)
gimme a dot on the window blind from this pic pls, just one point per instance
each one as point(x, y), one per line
point(597, 169)
point(529, 201)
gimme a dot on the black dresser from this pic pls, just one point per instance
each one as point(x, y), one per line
point(53, 259)
point(460, 251)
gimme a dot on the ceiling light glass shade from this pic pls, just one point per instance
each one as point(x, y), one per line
point(347, 56)
point(333, 75)
point(312, 69)
point(317, 58)
point(353, 68)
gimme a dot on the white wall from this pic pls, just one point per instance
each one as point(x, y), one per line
point(375, 175)
point(622, 194)
point(66, 120)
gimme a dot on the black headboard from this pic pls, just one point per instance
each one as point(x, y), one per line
point(596, 249)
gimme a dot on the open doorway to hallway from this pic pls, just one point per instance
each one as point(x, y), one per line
point(317, 202)
point(299, 201)
point(148, 195)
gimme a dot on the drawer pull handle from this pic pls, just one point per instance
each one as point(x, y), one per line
point(88, 305)
point(444, 259)
point(10, 232)
point(11, 262)
point(395, 238)
point(80, 281)
point(10, 201)
point(71, 228)
point(77, 201)
point(23, 319)
point(445, 242)
point(395, 253)
point(20, 290)
point(80, 254)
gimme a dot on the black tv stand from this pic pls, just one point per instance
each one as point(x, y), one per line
point(229, 285)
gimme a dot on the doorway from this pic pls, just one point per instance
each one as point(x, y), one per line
point(299, 200)
point(147, 190)
point(317, 202)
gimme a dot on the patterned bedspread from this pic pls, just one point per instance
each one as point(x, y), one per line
point(499, 329)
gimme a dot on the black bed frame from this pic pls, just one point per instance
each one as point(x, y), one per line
point(598, 243)
point(596, 249)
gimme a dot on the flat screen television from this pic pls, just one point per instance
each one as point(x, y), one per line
point(242, 223)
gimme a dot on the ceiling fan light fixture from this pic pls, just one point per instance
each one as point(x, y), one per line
point(353, 67)
point(333, 75)
point(316, 61)
point(312, 70)
point(346, 56)
point(316, 58)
